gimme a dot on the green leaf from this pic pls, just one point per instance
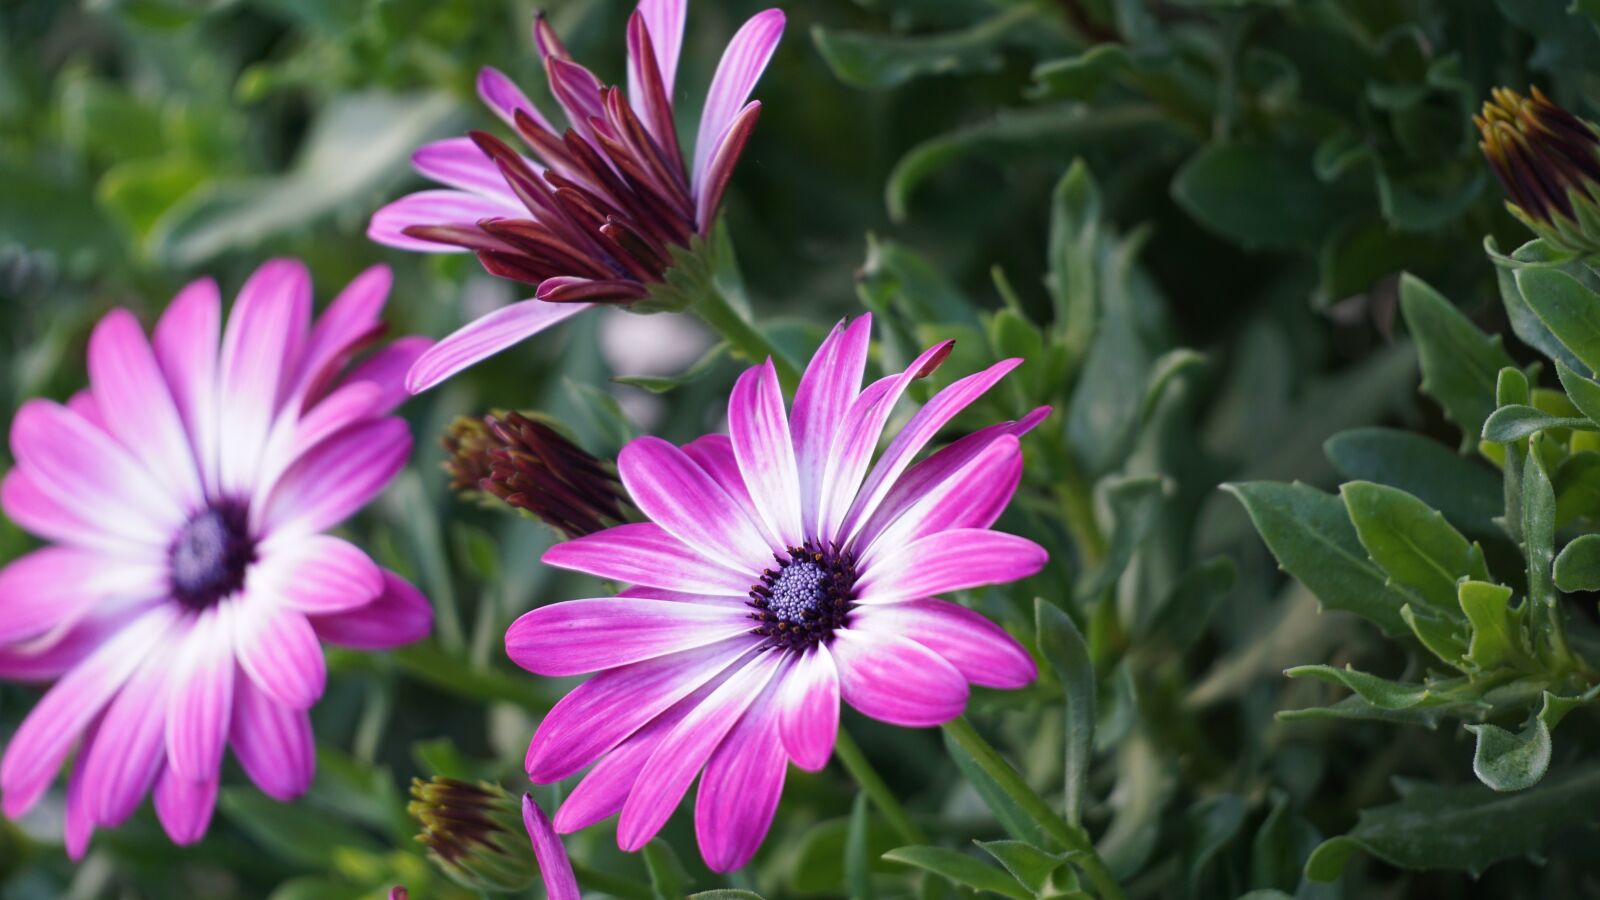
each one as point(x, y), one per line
point(1513, 423)
point(1465, 490)
point(1527, 325)
point(603, 416)
point(1464, 827)
point(1135, 503)
point(1083, 76)
point(877, 61)
point(1380, 692)
point(1511, 762)
point(960, 869)
point(1441, 636)
point(1310, 534)
point(1538, 528)
point(661, 384)
point(1104, 411)
point(1260, 195)
point(1578, 566)
point(1011, 816)
point(295, 834)
point(1181, 617)
point(1208, 827)
point(1411, 542)
point(1584, 392)
point(1577, 486)
point(1074, 259)
point(1064, 649)
point(1028, 864)
point(1459, 362)
point(668, 878)
point(1570, 310)
point(1496, 636)
point(857, 858)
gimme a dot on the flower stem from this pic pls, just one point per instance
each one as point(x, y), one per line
point(1072, 837)
point(745, 339)
point(594, 879)
point(854, 762)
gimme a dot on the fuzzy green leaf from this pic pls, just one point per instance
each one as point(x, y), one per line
point(1459, 362)
point(1570, 310)
point(1064, 649)
point(1513, 423)
point(1411, 542)
point(1578, 566)
point(1495, 637)
point(1028, 864)
point(1511, 762)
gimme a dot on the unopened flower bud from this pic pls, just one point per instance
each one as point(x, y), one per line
point(530, 466)
point(474, 833)
point(1548, 161)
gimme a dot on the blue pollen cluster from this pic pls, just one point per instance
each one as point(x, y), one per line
point(802, 602)
point(209, 556)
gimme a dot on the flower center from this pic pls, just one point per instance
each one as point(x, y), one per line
point(208, 558)
point(803, 601)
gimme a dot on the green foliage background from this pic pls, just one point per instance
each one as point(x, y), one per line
point(1262, 172)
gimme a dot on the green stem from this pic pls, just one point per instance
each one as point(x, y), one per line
point(745, 339)
point(1077, 508)
point(1072, 837)
point(596, 880)
point(855, 762)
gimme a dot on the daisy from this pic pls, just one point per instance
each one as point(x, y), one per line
point(611, 203)
point(179, 606)
point(780, 572)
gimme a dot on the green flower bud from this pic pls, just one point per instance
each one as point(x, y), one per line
point(474, 833)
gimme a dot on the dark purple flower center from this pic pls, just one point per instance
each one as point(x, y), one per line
point(802, 602)
point(209, 556)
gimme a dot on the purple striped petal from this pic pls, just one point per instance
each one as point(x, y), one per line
point(831, 382)
point(399, 616)
point(724, 158)
point(484, 337)
point(714, 453)
point(740, 788)
point(605, 788)
point(934, 415)
point(39, 661)
point(664, 19)
point(61, 520)
point(186, 341)
point(350, 321)
point(202, 696)
point(278, 650)
point(759, 429)
point(137, 407)
point(980, 650)
point(644, 553)
point(460, 163)
point(675, 493)
point(604, 710)
point(53, 588)
point(184, 807)
point(387, 369)
point(897, 680)
point(554, 867)
point(684, 751)
point(268, 324)
point(436, 207)
point(336, 478)
point(79, 827)
point(318, 574)
point(809, 709)
point(950, 561)
point(741, 66)
point(272, 742)
point(124, 752)
point(578, 91)
point(292, 436)
point(503, 96)
point(972, 497)
point(581, 636)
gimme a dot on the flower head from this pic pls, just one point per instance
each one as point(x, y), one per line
point(529, 465)
point(781, 571)
point(1548, 161)
point(180, 605)
point(608, 205)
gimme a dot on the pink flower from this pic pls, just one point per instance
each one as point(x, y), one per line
point(599, 218)
point(782, 571)
point(179, 606)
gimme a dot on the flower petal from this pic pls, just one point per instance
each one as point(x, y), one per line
point(202, 696)
point(268, 324)
point(644, 553)
point(831, 382)
point(484, 337)
point(317, 574)
point(602, 711)
point(350, 321)
point(605, 787)
point(272, 742)
point(580, 636)
point(65, 521)
point(184, 807)
point(951, 560)
point(278, 649)
point(459, 163)
point(972, 497)
point(387, 370)
point(809, 709)
point(53, 588)
point(741, 66)
point(897, 680)
point(554, 867)
point(436, 207)
point(400, 615)
point(125, 753)
point(137, 407)
point(684, 751)
point(336, 478)
point(980, 650)
point(186, 342)
point(503, 96)
point(675, 493)
point(664, 19)
point(79, 826)
point(740, 788)
point(759, 429)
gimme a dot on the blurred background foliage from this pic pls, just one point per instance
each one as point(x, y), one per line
point(1262, 171)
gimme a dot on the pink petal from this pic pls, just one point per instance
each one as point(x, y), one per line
point(124, 755)
point(858, 434)
point(79, 816)
point(809, 709)
point(605, 787)
point(831, 382)
point(674, 764)
point(724, 159)
point(503, 96)
point(186, 341)
point(268, 324)
point(897, 680)
point(741, 66)
point(39, 661)
point(948, 561)
point(137, 407)
point(675, 493)
point(644, 553)
point(202, 695)
point(278, 649)
point(317, 574)
point(387, 370)
point(292, 436)
point(714, 453)
point(484, 337)
point(400, 615)
point(740, 788)
point(972, 497)
point(53, 588)
point(63, 520)
point(664, 19)
point(759, 429)
point(578, 91)
point(272, 742)
point(350, 321)
point(581, 636)
point(40, 744)
point(184, 807)
point(436, 207)
point(554, 867)
point(459, 163)
point(918, 432)
point(980, 650)
point(337, 478)
point(604, 710)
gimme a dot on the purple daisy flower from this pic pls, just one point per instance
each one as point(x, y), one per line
point(781, 571)
point(602, 215)
point(180, 605)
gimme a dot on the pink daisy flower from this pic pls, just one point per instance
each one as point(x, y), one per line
point(602, 214)
point(781, 571)
point(179, 606)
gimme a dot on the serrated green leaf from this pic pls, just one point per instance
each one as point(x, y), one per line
point(1011, 816)
point(1495, 634)
point(1064, 649)
point(960, 869)
point(1570, 310)
point(1527, 325)
point(1513, 423)
point(1459, 362)
point(1380, 692)
point(1083, 76)
point(1538, 528)
point(1411, 542)
point(877, 61)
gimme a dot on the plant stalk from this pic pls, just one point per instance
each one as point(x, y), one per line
point(855, 762)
